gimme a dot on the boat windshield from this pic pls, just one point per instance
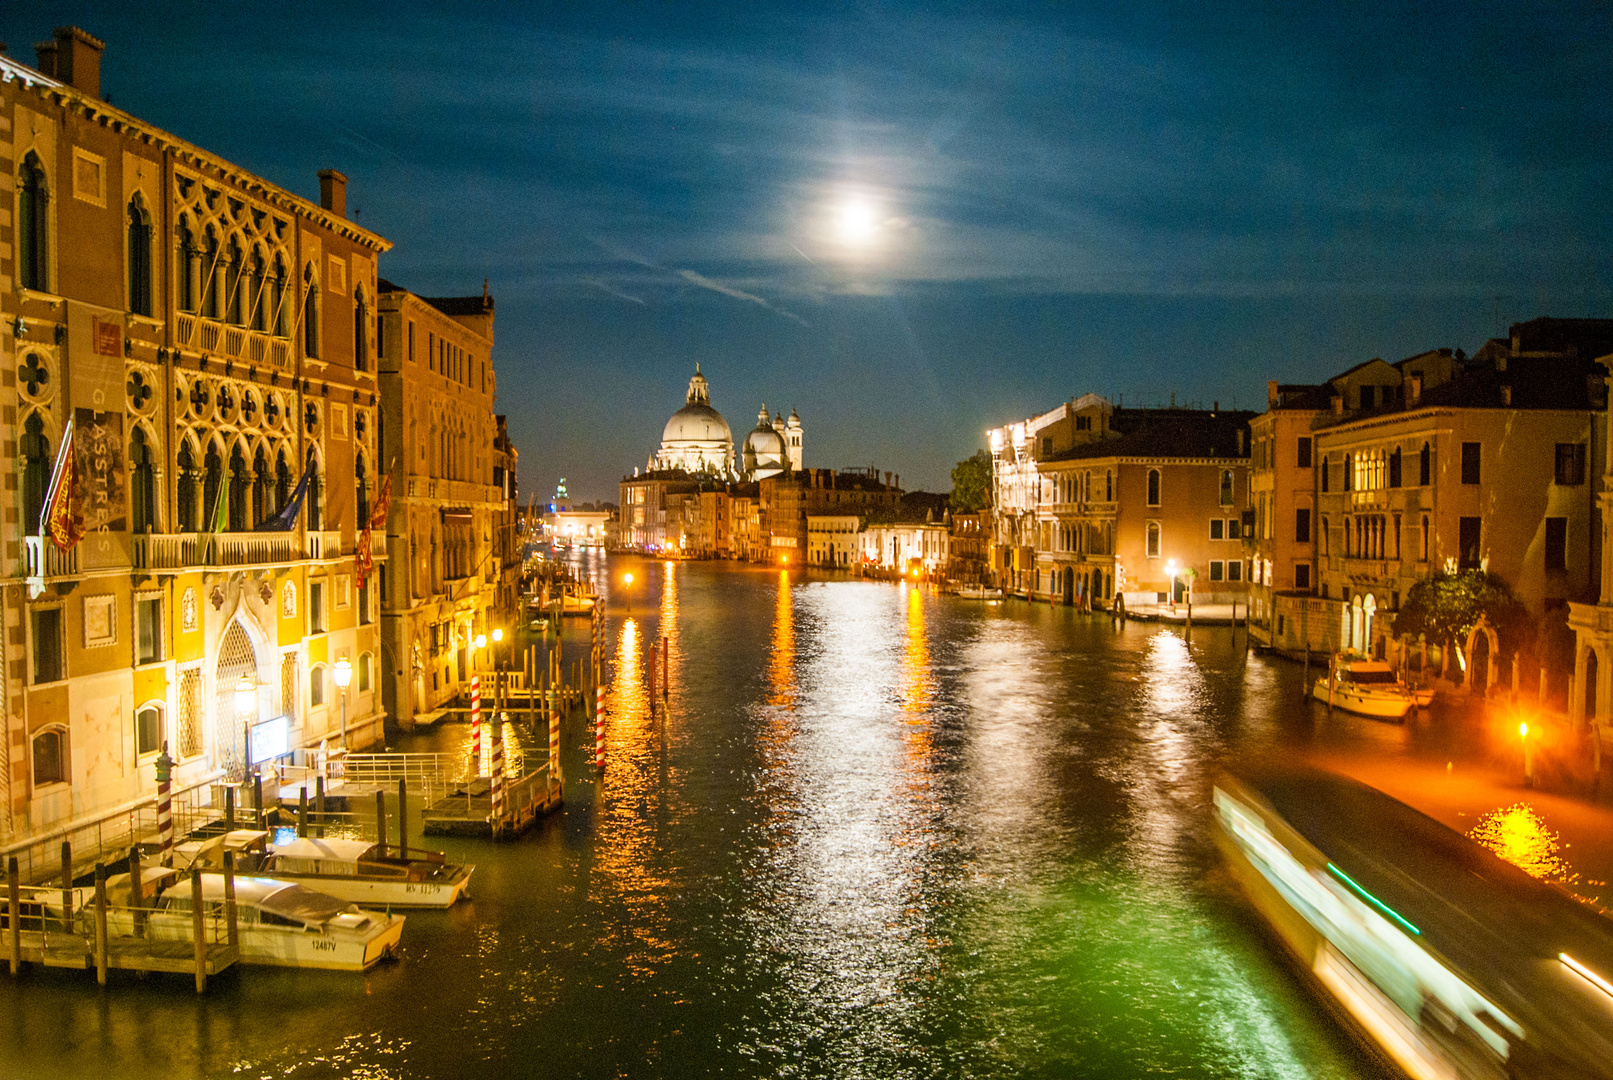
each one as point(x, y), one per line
point(1370, 676)
point(304, 905)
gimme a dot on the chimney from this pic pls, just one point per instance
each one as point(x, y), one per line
point(1416, 389)
point(74, 57)
point(1500, 363)
point(1271, 393)
point(333, 192)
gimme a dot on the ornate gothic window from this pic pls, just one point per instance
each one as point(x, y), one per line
point(142, 482)
point(139, 256)
point(33, 226)
point(36, 465)
point(310, 313)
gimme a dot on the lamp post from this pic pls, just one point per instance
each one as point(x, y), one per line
point(343, 676)
point(246, 700)
point(627, 591)
point(1528, 758)
point(1170, 569)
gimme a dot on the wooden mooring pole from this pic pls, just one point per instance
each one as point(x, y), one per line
point(380, 819)
point(302, 811)
point(198, 928)
point(319, 802)
point(14, 913)
point(67, 886)
point(231, 927)
point(100, 923)
point(229, 809)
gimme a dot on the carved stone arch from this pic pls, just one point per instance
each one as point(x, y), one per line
point(1492, 655)
point(244, 649)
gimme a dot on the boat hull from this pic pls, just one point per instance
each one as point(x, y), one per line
point(381, 893)
point(1378, 705)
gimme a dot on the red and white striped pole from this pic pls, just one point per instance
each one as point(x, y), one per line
point(165, 807)
point(599, 726)
point(475, 726)
point(498, 774)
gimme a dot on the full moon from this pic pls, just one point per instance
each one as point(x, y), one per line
point(856, 223)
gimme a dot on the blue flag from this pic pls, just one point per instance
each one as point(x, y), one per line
point(286, 520)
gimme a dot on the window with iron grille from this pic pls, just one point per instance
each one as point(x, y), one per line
point(288, 684)
point(188, 736)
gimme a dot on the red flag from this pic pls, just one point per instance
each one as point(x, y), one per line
point(61, 520)
point(363, 558)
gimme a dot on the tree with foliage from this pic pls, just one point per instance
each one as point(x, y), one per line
point(971, 483)
point(1445, 606)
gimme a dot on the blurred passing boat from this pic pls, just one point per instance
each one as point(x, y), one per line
point(1446, 960)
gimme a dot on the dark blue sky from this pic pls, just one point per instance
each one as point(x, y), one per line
point(911, 222)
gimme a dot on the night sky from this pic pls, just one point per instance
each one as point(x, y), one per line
point(912, 222)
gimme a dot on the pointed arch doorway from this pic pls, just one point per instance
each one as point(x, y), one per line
point(237, 660)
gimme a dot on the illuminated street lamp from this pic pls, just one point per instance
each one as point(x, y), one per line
point(1528, 758)
point(1170, 571)
point(343, 675)
point(498, 634)
point(627, 590)
point(246, 696)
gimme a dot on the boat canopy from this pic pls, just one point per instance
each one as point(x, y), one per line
point(280, 898)
point(338, 850)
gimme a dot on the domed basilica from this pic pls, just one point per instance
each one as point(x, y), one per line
point(698, 441)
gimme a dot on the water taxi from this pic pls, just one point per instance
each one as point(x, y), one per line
point(1439, 956)
point(353, 870)
point(979, 592)
point(280, 923)
point(1369, 688)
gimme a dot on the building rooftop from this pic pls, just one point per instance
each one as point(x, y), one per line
point(1169, 433)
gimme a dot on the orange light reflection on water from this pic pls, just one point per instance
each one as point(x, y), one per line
point(1519, 835)
point(917, 685)
point(781, 667)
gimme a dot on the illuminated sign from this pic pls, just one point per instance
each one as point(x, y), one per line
point(270, 739)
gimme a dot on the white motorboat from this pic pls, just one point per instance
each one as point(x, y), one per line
point(279, 923)
point(354, 870)
point(1366, 687)
point(979, 592)
point(367, 874)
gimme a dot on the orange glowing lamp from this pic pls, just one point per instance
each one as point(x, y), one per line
point(1523, 731)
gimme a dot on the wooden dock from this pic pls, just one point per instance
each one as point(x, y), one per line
point(468, 809)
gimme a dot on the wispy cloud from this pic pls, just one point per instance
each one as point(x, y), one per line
point(738, 294)
point(619, 294)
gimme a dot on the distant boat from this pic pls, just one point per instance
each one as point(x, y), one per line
point(979, 592)
point(1368, 688)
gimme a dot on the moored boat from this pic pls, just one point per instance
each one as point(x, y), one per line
point(356, 871)
point(1366, 687)
point(979, 592)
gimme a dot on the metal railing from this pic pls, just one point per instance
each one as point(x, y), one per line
point(178, 551)
point(430, 776)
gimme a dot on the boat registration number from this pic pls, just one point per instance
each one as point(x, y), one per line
point(324, 945)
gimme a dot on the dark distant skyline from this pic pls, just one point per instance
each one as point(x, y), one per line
point(913, 222)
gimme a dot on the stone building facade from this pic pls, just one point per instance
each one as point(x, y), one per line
point(212, 337)
point(451, 530)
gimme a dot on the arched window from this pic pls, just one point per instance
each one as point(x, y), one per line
point(1226, 487)
point(186, 266)
point(1424, 466)
point(212, 482)
point(310, 313)
point(282, 482)
point(36, 465)
point(139, 255)
point(148, 729)
point(361, 331)
point(210, 283)
point(255, 283)
point(1109, 486)
point(1152, 550)
point(1153, 487)
point(142, 482)
point(364, 663)
point(234, 296)
point(50, 757)
point(278, 315)
point(1349, 472)
point(261, 480)
point(185, 504)
point(33, 226)
point(315, 498)
point(316, 686)
point(238, 491)
point(361, 485)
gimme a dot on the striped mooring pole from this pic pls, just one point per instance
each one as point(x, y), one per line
point(475, 726)
point(165, 807)
point(599, 726)
point(498, 773)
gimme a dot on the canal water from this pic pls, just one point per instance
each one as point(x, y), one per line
point(876, 833)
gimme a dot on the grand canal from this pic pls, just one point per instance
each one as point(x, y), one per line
point(877, 832)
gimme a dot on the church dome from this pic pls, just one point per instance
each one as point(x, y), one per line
point(697, 423)
point(765, 442)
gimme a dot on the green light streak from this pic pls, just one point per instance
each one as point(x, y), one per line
point(1373, 900)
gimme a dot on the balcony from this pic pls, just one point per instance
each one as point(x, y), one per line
point(235, 342)
point(42, 560)
point(184, 551)
point(325, 545)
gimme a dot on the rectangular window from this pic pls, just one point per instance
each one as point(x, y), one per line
point(1302, 575)
point(1367, 396)
point(1235, 570)
point(1234, 528)
point(1396, 520)
point(47, 645)
point(148, 630)
point(1217, 570)
point(316, 607)
point(431, 351)
point(1218, 529)
point(1557, 545)
point(411, 342)
point(1468, 537)
point(364, 603)
point(1424, 549)
point(148, 730)
point(1470, 462)
point(1570, 463)
point(1226, 487)
point(1302, 457)
point(1394, 467)
point(1302, 525)
point(1047, 446)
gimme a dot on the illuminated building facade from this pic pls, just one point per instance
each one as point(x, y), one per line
point(212, 338)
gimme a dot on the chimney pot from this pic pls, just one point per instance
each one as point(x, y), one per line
point(74, 57)
point(1271, 393)
point(333, 192)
